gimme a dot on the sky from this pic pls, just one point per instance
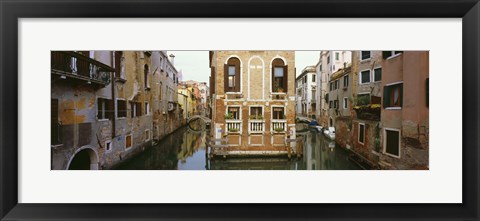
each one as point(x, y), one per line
point(194, 64)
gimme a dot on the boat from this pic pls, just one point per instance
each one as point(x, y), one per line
point(330, 133)
point(319, 128)
point(313, 124)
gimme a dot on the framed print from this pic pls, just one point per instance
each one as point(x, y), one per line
point(307, 110)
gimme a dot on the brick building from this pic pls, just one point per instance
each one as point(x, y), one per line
point(109, 105)
point(253, 100)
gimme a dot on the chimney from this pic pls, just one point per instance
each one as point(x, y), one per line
point(172, 59)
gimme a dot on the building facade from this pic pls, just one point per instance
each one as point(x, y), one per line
point(109, 105)
point(329, 62)
point(404, 115)
point(306, 88)
point(253, 100)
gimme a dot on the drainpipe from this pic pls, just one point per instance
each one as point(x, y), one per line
point(113, 97)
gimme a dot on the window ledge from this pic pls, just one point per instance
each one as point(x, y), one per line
point(121, 80)
point(364, 60)
point(391, 155)
point(121, 118)
point(393, 108)
point(233, 92)
point(102, 120)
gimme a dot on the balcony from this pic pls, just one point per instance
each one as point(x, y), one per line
point(279, 126)
point(233, 126)
point(256, 126)
point(368, 112)
point(79, 69)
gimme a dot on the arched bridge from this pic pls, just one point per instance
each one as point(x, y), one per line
point(195, 117)
point(304, 120)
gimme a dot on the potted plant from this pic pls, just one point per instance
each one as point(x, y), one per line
point(228, 116)
point(233, 130)
point(278, 130)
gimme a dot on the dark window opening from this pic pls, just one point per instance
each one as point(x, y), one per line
point(121, 108)
point(280, 74)
point(232, 75)
point(377, 74)
point(392, 145)
point(361, 133)
point(278, 113)
point(365, 55)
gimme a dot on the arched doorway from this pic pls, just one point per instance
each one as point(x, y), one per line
point(84, 159)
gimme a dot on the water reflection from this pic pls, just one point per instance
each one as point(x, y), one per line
point(185, 150)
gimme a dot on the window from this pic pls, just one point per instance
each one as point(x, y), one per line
point(345, 81)
point(328, 60)
point(147, 108)
point(279, 76)
point(147, 135)
point(388, 54)
point(128, 141)
point(335, 104)
point(365, 55)
point(118, 64)
point(161, 91)
point(337, 84)
point(392, 142)
point(305, 79)
point(393, 95)
point(363, 99)
point(145, 74)
point(337, 56)
point(278, 113)
point(320, 67)
point(361, 133)
point(365, 77)
point(345, 103)
point(331, 86)
point(330, 104)
point(104, 108)
point(108, 145)
point(135, 109)
point(121, 108)
point(377, 74)
point(232, 75)
point(256, 112)
point(314, 77)
point(234, 112)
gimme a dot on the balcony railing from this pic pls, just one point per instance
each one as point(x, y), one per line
point(256, 126)
point(279, 126)
point(234, 126)
point(73, 65)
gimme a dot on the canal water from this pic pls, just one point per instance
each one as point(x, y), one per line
point(185, 150)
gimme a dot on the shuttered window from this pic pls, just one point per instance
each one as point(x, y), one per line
point(145, 76)
point(121, 108)
point(393, 95)
point(105, 109)
point(135, 109)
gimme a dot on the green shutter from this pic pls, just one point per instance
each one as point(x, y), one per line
point(386, 96)
point(401, 95)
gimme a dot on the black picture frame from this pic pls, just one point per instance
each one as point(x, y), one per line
point(11, 11)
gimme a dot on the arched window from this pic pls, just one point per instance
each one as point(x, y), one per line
point(232, 75)
point(279, 76)
point(145, 74)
